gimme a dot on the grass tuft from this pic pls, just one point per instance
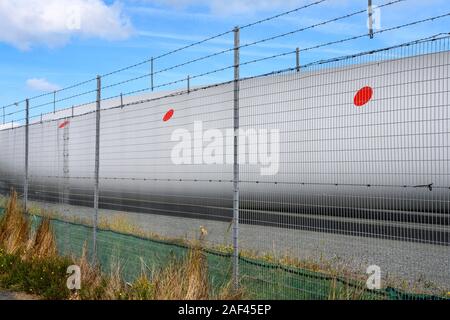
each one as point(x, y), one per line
point(14, 227)
point(44, 242)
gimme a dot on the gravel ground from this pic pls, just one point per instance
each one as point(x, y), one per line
point(398, 259)
point(8, 295)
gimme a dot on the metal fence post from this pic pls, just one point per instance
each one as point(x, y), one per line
point(297, 59)
point(189, 84)
point(151, 73)
point(3, 115)
point(236, 161)
point(54, 101)
point(97, 167)
point(370, 11)
point(27, 122)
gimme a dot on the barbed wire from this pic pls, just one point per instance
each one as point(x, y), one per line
point(260, 60)
point(195, 44)
point(251, 44)
point(310, 48)
point(216, 36)
point(435, 37)
point(247, 62)
point(429, 186)
point(316, 25)
point(318, 62)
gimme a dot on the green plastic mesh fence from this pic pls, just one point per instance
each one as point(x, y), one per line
point(260, 279)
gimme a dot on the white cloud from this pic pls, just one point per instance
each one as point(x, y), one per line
point(227, 7)
point(24, 23)
point(41, 84)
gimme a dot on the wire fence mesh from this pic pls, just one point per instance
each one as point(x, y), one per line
point(297, 181)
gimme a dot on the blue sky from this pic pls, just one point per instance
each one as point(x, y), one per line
point(43, 47)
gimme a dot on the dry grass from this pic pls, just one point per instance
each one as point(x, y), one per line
point(43, 244)
point(184, 280)
point(181, 279)
point(95, 284)
point(357, 291)
point(115, 287)
point(91, 278)
point(121, 223)
point(187, 279)
point(16, 236)
point(14, 227)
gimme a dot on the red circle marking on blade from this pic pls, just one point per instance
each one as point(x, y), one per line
point(363, 96)
point(168, 115)
point(62, 125)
